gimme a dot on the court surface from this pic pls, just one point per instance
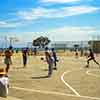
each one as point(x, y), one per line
point(71, 81)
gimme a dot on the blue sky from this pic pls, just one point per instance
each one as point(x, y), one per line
point(60, 20)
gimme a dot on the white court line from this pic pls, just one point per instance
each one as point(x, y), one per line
point(91, 74)
point(62, 78)
point(10, 98)
point(54, 93)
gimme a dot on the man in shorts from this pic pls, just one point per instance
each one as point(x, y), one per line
point(24, 54)
point(54, 58)
point(7, 59)
point(91, 57)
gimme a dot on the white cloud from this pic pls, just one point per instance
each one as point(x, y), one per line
point(64, 1)
point(71, 33)
point(29, 36)
point(4, 24)
point(59, 1)
point(40, 12)
point(33, 14)
point(66, 33)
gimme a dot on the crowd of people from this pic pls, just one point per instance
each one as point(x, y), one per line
point(50, 57)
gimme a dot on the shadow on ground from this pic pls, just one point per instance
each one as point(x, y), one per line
point(40, 77)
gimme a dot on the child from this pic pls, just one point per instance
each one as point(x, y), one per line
point(91, 57)
point(3, 83)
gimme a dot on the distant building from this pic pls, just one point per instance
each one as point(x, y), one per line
point(64, 44)
point(69, 44)
point(95, 45)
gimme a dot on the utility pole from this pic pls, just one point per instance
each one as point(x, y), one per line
point(5, 42)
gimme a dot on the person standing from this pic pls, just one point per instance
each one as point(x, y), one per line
point(24, 54)
point(76, 54)
point(91, 57)
point(7, 59)
point(35, 51)
point(4, 84)
point(54, 58)
point(49, 62)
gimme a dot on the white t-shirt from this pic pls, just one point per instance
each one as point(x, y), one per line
point(53, 60)
point(4, 86)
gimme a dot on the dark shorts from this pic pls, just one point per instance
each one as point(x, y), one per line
point(7, 61)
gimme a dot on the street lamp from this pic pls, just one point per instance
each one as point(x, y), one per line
point(12, 40)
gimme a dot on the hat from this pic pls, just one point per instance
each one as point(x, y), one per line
point(2, 71)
